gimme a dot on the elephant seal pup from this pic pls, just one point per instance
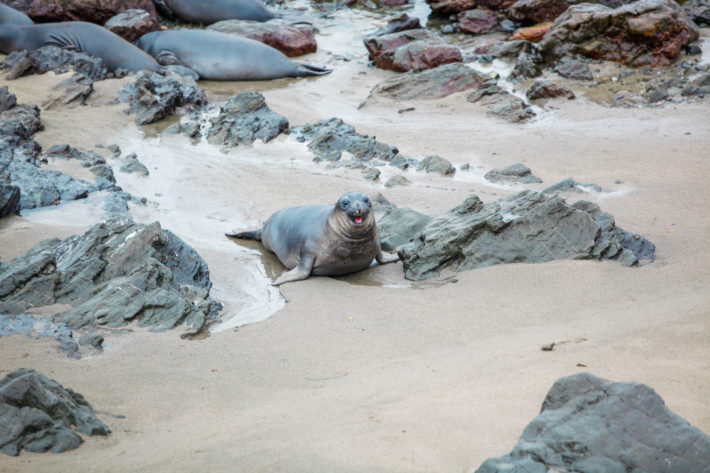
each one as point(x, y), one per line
point(222, 56)
point(322, 240)
point(80, 36)
point(10, 16)
point(212, 11)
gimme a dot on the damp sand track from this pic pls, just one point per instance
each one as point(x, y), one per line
point(372, 373)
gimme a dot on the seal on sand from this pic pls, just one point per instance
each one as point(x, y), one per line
point(222, 56)
point(212, 11)
point(321, 239)
point(80, 36)
point(10, 16)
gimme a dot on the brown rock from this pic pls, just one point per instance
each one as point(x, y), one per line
point(548, 90)
point(646, 32)
point(537, 11)
point(431, 84)
point(292, 40)
point(445, 7)
point(532, 33)
point(132, 24)
point(94, 11)
point(411, 50)
point(477, 21)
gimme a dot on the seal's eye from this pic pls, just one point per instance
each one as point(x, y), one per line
point(344, 204)
point(366, 200)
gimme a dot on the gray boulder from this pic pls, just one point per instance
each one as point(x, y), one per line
point(517, 172)
point(55, 59)
point(152, 96)
point(527, 227)
point(9, 199)
point(244, 119)
point(592, 425)
point(436, 164)
point(37, 414)
point(40, 327)
point(117, 273)
point(398, 225)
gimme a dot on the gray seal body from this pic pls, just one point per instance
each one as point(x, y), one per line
point(79, 36)
point(322, 240)
point(221, 56)
point(10, 16)
point(212, 11)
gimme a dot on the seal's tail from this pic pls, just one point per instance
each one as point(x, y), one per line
point(304, 70)
point(248, 235)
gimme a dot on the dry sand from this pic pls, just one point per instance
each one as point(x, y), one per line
point(373, 373)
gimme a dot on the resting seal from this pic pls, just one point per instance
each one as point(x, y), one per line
point(10, 16)
point(222, 56)
point(321, 239)
point(212, 11)
point(79, 36)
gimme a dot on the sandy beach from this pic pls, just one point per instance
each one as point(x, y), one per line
point(372, 372)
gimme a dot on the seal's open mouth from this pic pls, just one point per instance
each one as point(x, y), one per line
point(357, 219)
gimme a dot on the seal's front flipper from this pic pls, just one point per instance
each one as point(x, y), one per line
point(304, 70)
point(248, 235)
point(299, 273)
point(384, 258)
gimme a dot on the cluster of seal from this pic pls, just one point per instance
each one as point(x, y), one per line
point(322, 240)
point(206, 13)
point(221, 56)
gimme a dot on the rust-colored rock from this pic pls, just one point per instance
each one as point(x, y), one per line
point(292, 40)
point(532, 33)
point(643, 33)
point(132, 24)
point(445, 7)
point(478, 21)
point(94, 11)
point(411, 50)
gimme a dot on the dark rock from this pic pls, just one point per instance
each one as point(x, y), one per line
point(94, 11)
point(39, 327)
point(570, 185)
point(411, 50)
point(527, 227)
point(698, 11)
point(37, 414)
point(434, 83)
point(131, 164)
point(328, 139)
point(117, 273)
point(436, 164)
point(446, 7)
point(132, 24)
point(700, 86)
point(656, 90)
point(402, 22)
point(646, 32)
point(116, 203)
point(371, 174)
point(244, 119)
point(589, 424)
point(153, 96)
point(503, 48)
point(52, 58)
point(77, 88)
point(515, 172)
point(7, 99)
point(528, 64)
point(548, 90)
point(9, 199)
point(478, 21)
point(397, 180)
point(292, 40)
point(93, 339)
point(501, 104)
point(573, 69)
point(399, 225)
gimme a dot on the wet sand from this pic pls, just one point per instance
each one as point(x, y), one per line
point(372, 372)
